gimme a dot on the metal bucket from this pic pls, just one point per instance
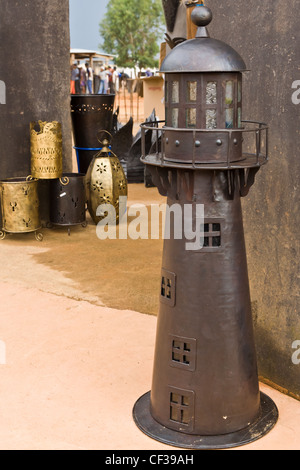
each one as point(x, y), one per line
point(90, 114)
point(46, 150)
point(20, 206)
point(67, 200)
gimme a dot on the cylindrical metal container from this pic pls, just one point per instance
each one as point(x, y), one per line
point(20, 206)
point(46, 150)
point(90, 114)
point(106, 183)
point(67, 200)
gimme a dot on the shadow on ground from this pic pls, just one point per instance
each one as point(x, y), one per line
point(121, 274)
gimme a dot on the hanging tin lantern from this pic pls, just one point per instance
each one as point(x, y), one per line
point(67, 201)
point(105, 182)
point(20, 206)
point(46, 150)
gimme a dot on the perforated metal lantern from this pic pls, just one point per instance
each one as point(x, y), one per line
point(106, 183)
point(20, 206)
point(68, 200)
point(90, 113)
point(205, 390)
point(46, 150)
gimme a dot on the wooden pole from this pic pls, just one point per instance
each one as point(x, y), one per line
point(131, 100)
point(124, 94)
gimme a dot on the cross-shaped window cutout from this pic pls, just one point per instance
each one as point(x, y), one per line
point(179, 411)
point(212, 235)
point(181, 352)
point(168, 287)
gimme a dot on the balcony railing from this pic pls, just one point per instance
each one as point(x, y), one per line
point(206, 148)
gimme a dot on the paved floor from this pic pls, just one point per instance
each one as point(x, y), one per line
point(75, 359)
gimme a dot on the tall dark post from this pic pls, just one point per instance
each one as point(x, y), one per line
point(34, 83)
point(205, 390)
point(35, 77)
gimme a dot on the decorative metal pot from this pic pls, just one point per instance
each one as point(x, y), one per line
point(105, 183)
point(20, 206)
point(89, 114)
point(67, 200)
point(46, 150)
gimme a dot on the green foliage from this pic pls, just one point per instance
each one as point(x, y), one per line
point(131, 30)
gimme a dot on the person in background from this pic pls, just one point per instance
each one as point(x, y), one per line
point(77, 81)
point(109, 78)
point(111, 81)
point(74, 78)
point(106, 80)
point(115, 81)
point(102, 81)
point(89, 78)
point(82, 81)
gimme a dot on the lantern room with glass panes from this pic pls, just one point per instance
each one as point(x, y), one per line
point(212, 101)
point(203, 90)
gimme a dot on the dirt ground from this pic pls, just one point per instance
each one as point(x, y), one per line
point(122, 274)
point(77, 338)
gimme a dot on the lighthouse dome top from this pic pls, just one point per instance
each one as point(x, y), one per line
point(203, 54)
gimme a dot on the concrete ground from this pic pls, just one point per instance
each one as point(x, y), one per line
point(77, 333)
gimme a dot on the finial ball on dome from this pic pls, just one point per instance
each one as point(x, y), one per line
point(201, 16)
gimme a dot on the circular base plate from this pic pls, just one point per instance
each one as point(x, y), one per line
point(264, 424)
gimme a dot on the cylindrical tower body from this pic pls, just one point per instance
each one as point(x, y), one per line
point(205, 379)
point(205, 390)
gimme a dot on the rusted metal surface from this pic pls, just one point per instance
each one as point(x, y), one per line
point(203, 148)
point(36, 84)
point(209, 320)
point(205, 391)
point(205, 379)
point(203, 54)
point(269, 43)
